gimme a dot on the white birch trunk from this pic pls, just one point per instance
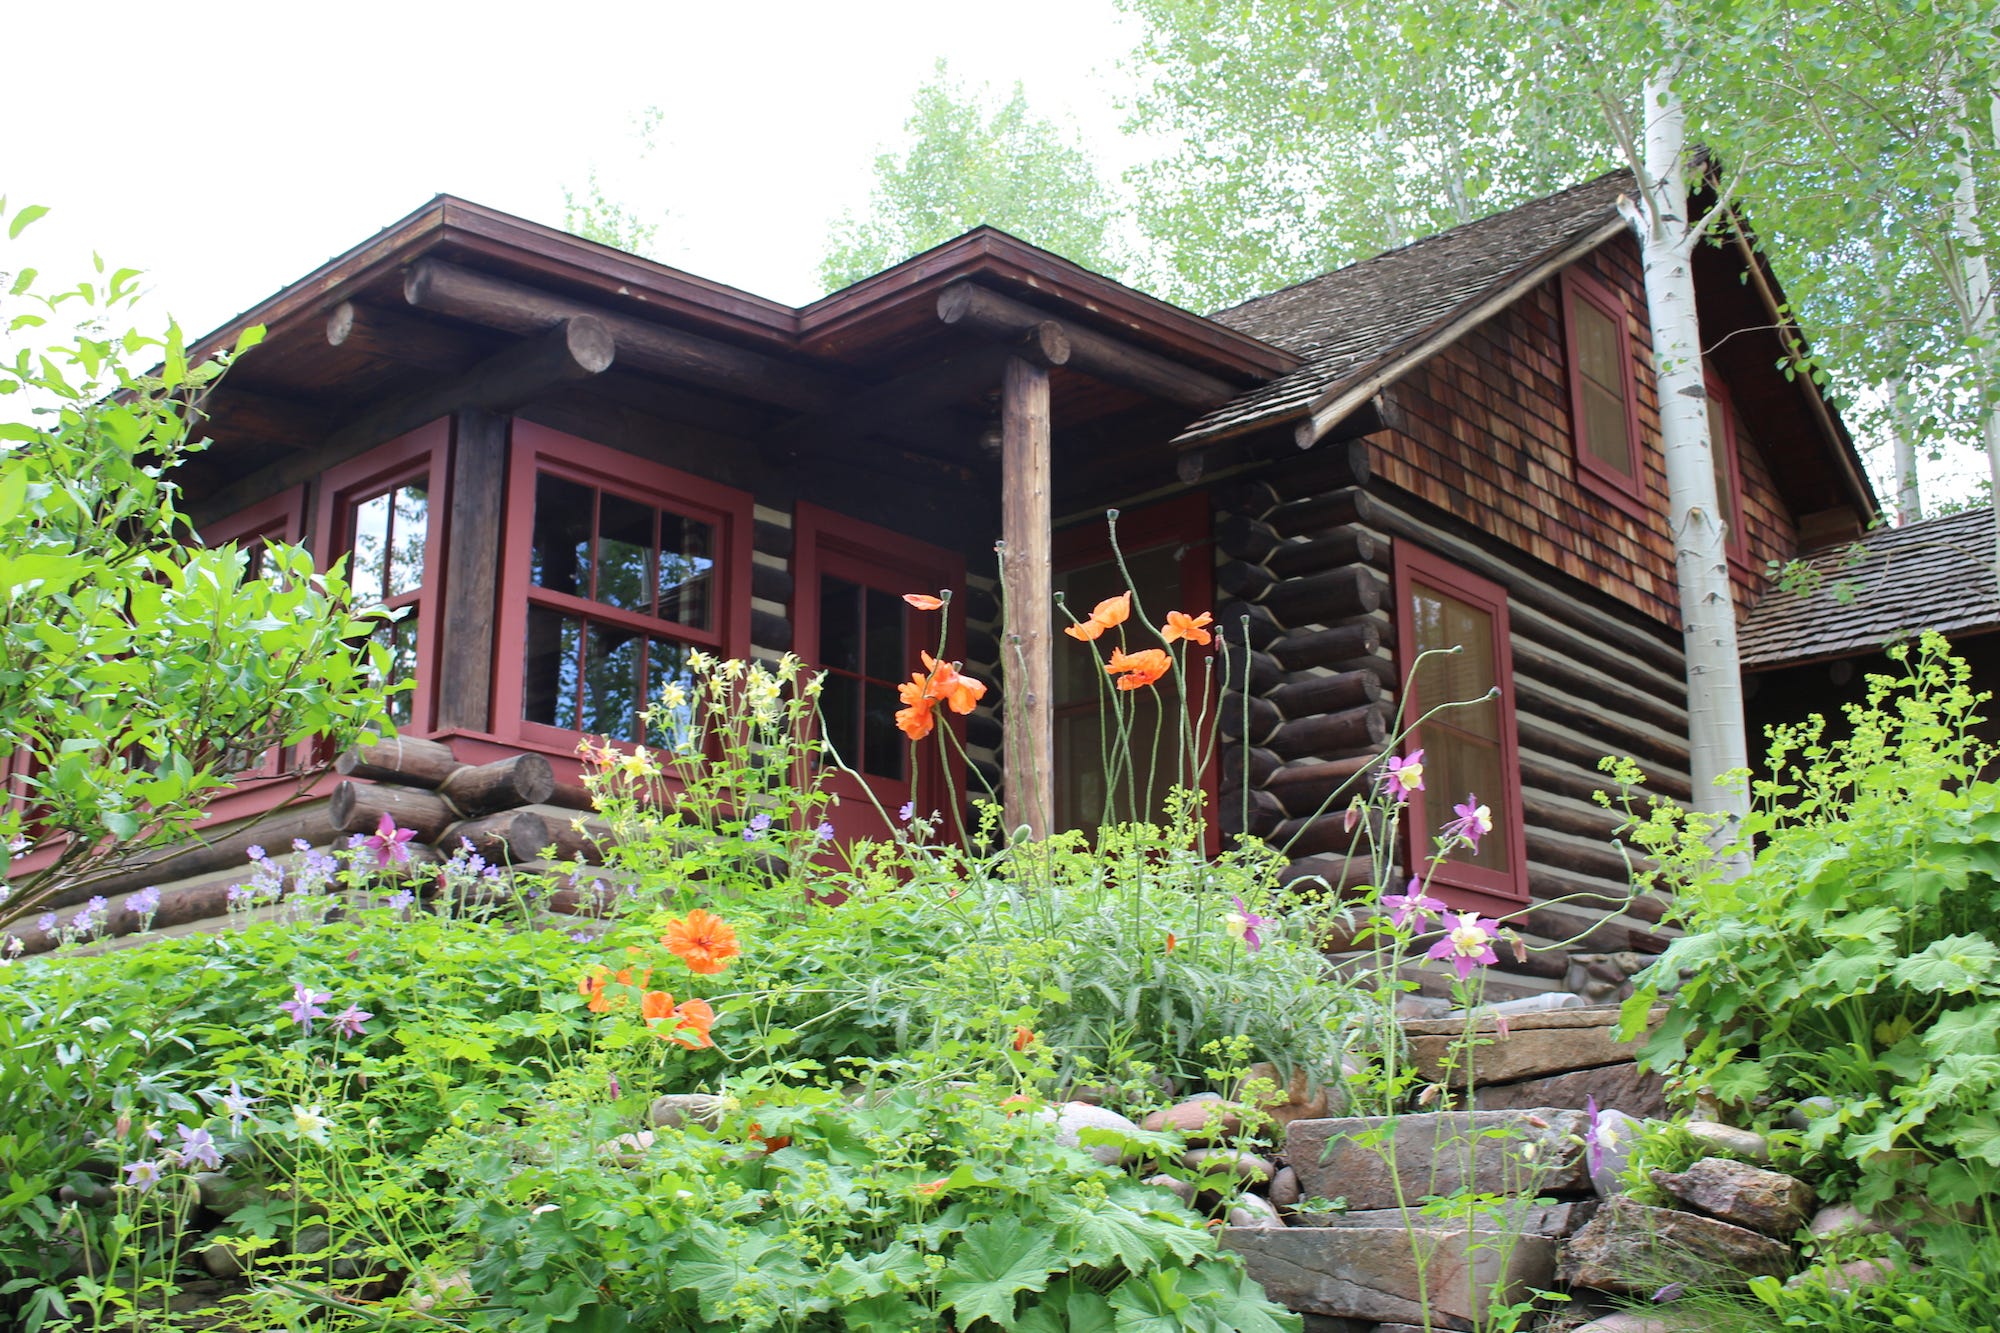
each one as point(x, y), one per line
point(1903, 439)
point(1717, 740)
point(1975, 294)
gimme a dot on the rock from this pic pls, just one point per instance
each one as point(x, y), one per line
point(1180, 1189)
point(1605, 978)
point(1202, 1119)
point(1422, 1006)
point(1320, 1323)
point(1072, 1118)
point(1800, 1117)
point(223, 1194)
point(94, 1194)
point(1628, 1246)
point(1742, 1143)
point(627, 1150)
point(435, 1289)
point(1519, 1216)
point(1285, 1190)
point(678, 1110)
point(1616, 1138)
point(1254, 1211)
point(1296, 1098)
point(1244, 1166)
point(1533, 1045)
point(1527, 1004)
point(1862, 1273)
point(1747, 1196)
point(1613, 1087)
point(1513, 1152)
point(1632, 1323)
point(1842, 1219)
point(1371, 1272)
point(311, 1240)
point(221, 1261)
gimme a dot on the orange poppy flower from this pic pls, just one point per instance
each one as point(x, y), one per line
point(1180, 625)
point(756, 1135)
point(1107, 614)
point(593, 986)
point(923, 601)
point(1024, 1037)
point(1171, 942)
point(691, 1021)
point(956, 691)
point(915, 718)
point(655, 1005)
point(1141, 668)
point(930, 1188)
point(702, 940)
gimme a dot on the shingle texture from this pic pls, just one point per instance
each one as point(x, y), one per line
point(1349, 322)
point(1931, 575)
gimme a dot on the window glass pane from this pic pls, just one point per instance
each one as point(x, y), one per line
point(1604, 426)
point(625, 553)
point(550, 694)
point(1598, 353)
point(407, 535)
point(560, 559)
point(612, 660)
point(371, 545)
point(839, 624)
point(687, 571)
point(884, 747)
point(1457, 766)
point(885, 637)
point(666, 664)
point(401, 639)
point(840, 705)
point(1462, 747)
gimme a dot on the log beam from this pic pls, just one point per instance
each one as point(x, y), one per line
point(884, 407)
point(1028, 668)
point(398, 339)
point(976, 309)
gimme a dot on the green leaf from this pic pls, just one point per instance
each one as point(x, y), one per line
point(996, 1260)
point(1955, 965)
point(23, 218)
point(1151, 1302)
point(1236, 1301)
point(1068, 1307)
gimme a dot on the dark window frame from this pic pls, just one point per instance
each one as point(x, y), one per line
point(1626, 493)
point(1737, 545)
point(1464, 887)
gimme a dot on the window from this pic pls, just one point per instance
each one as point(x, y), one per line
point(618, 569)
point(1470, 750)
point(1725, 442)
point(381, 511)
point(850, 621)
point(1603, 406)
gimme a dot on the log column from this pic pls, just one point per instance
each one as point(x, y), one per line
point(1028, 667)
point(471, 571)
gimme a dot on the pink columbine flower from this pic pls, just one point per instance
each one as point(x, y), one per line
point(1244, 923)
point(304, 1006)
point(142, 1176)
point(1468, 945)
point(1474, 822)
point(348, 1022)
point(1414, 907)
point(390, 844)
point(1405, 775)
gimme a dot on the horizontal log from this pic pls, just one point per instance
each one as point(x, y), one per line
point(1239, 578)
point(1265, 814)
point(982, 645)
point(1330, 835)
point(1265, 673)
point(1322, 599)
point(771, 583)
point(408, 760)
point(1555, 637)
point(984, 729)
point(771, 538)
point(1618, 733)
point(481, 298)
point(1242, 538)
point(969, 306)
point(1319, 513)
point(770, 631)
point(484, 789)
point(1310, 695)
point(1333, 463)
point(1552, 885)
point(1340, 874)
point(1586, 932)
point(1560, 743)
point(1618, 694)
point(222, 849)
point(398, 339)
point(1575, 818)
point(1330, 735)
point(1342, 546)
point(359, 807)
point(909, 407)
point(508, 838)
point(1262, 721)
point(575, 837)
point(1580, 856)
point(1264, 628)
point(1382, 668)
point(1318, 785)
point(1561, 779)
point(1261, 763)
point(1301, 650)
point(1250, 498)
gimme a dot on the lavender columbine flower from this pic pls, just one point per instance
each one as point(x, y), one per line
point(1474, 822)
point(304, 1006)
point(390, 844)
point(1468, 945)
point(142, 1176)
point(1413, 906)
point(616, 1089)
point(1404, 775)
point(1243, 924)
point(236, 1105)
point(198, 1147)
point(349, 1021)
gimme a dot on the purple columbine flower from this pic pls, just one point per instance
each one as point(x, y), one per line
point(1593, 1148)
point(1404, 775)
point(198, 1147)
point(617, 1090)
point(1468, 945)
point(825, 831)
point(1413, 906)
point(391, 845)
point(1244, 924)
point(304, 1006)
point(142, 1176)
point(236, 1105)
point(756, 828)
point(907, 812)
point(1474, 822)
point(348, 1022)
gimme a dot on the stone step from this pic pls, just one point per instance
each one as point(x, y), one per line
point(1397, 1161)
point(1507, 1049)
point(1373, 1272)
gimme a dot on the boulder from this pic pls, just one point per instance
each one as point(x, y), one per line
point(1626, 1322)
point(1736, 1192)
point(1508, 1048)
point(1410, 1006)
point(1285, 1189)
point(678, 1110)
point(1746, 1144)
point(1613, 1087)
point(1202, 1119)
point(1072, 1118)
point(1362, 1159)
point(1527, 1004)
point(1631, 1248)
point(1800, 1117)
point(221, 1261)
point(1247, 1167)
point(1371, 1272)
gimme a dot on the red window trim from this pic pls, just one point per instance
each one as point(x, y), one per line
point(283, 516)
point(1738, 545)
point(538, 448)
point(424, 452)
point(1466, 888)
point(1183, 519)
point(1623, 492)
point(824, 541)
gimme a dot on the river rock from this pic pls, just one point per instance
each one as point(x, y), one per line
point(1628, 1246)
point(1742, 1143)
point(1180, 1189)
point(1247, 1167)
point(1748, 1196)
point(1296, 1098)
point(1512, 1152)
point(1520, 1216)
point(1800, 1117)
point(1842, 1219)
point(1371, 1273)
point(1624, 1322)
point(1526, 1004)
point(1253, 1210)
point(678, 1110)
point(1072, 1118)
point(1203, 1120)
point(221, 1261)
point(1285, 1189)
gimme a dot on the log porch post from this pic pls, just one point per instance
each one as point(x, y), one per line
point(1026, 581)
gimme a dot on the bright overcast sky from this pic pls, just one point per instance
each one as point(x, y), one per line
point(230, 148)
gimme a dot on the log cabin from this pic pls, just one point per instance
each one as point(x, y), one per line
point(572, 467)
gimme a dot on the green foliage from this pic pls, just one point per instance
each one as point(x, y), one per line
point(968, 163)
point(138, 669)
point(1854, 960)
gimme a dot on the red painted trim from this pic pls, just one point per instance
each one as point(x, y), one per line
point(1627, 493)
point(1182, 519)
point(282, 518)
point(538, 448)
point(825, 542)
point(1739, 541)
point(1466, 888)
point(424, 452)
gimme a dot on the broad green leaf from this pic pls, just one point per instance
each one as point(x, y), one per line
point(995, 1260)
point(1955, 966)
point(1068, 1307)
point(23, 218)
